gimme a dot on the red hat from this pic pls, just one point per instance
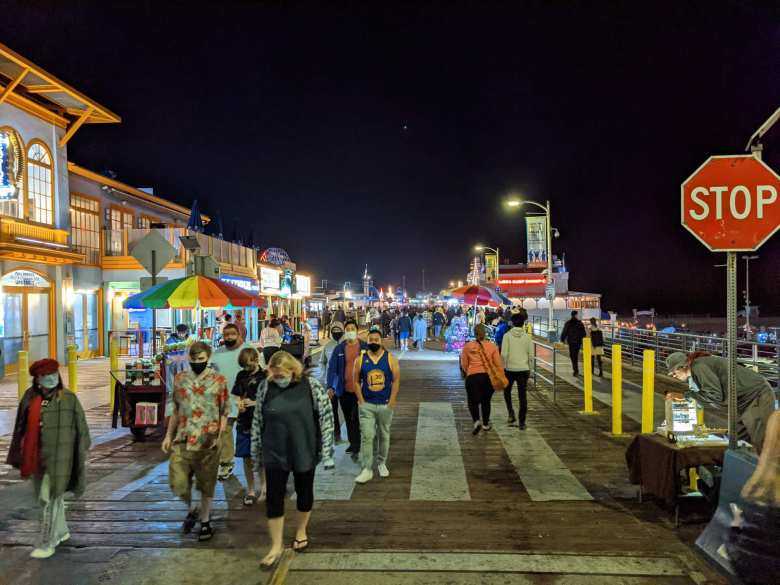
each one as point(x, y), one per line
point(44, 367)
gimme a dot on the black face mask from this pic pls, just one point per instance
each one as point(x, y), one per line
point(337, 335)
point(198, 367)
point(374, 347)
point(231, 343)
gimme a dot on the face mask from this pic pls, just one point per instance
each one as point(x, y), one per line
point(49, 381)
point(351, 335)
point(198, 367)
point(337, 335)
point(692, 385)
point(283, 382)
point(374, 347)
point(230, 343)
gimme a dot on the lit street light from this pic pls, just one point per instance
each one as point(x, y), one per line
point(551, 332)
point(481, 248)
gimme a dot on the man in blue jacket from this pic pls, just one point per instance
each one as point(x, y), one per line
point(341, 383)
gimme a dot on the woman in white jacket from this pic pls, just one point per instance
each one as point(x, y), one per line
point(517, 353)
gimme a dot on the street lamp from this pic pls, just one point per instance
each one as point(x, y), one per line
point(551, 331)
point(480, 248)
point(452, 284)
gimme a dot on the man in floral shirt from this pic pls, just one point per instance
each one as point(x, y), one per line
point(200, 410)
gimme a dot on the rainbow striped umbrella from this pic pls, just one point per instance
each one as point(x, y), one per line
point(192, 292)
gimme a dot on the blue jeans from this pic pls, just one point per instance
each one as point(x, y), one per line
point(437, 330)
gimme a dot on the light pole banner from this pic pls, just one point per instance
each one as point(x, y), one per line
point(491, 267)
point(536, 237)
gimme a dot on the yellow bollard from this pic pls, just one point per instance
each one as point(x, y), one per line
point(648, 391)
point(529, 328)
point(23, 379)
point(113, 352)
point(617, 390)
point(587, 356)
point(73, 375)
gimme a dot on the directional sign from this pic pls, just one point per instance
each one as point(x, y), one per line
point(163, 252)
point(731, 203)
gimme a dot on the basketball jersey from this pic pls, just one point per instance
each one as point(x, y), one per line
point(376, 378)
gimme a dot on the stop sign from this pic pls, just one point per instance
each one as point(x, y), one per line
point(731, 203)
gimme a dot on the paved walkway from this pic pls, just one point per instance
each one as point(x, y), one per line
point(548, 505)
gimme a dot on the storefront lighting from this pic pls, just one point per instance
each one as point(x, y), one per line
point(42, 242)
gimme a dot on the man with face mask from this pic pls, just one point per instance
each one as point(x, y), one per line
point(200, 409)
point(336, 333)
point(225, 361)
point(377, 379)
point(49, 445)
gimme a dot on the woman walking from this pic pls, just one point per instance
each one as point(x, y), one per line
point(477, 357)
point(247, 381)
point(292, 431)
point(597, 346)
point(49, 445)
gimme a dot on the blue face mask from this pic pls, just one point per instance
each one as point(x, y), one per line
point(49, 381)
point(692, 386)
point(283, 382)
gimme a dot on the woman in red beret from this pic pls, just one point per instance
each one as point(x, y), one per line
point(49, 446)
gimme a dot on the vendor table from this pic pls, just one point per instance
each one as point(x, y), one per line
point(655, 464)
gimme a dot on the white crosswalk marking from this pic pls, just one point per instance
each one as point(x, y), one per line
point(338, 483)
point(543, 474)
point(438, 473)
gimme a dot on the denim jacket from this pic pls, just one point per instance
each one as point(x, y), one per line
point(336, 378)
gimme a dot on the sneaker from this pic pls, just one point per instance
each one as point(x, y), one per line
point(522, 426)
point(486, 426)
point(365, 476)
point(477, 428)
point(511, 419)
point(42, 552)
point(189, 522)
point(225, 471)
point(383, 471)
point(206, 532)
point(65, 537)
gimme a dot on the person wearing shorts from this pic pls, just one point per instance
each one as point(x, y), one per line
point(200, 410)
point(245, 388)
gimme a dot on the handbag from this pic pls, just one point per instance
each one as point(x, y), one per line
point(498, 379)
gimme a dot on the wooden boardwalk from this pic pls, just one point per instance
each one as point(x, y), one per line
point(126, 527)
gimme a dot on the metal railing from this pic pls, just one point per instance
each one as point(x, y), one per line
point(538, 369)
point(763, 357)
point(540, 328)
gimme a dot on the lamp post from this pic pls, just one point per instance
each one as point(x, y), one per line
point(552, 333)
point(480, 248)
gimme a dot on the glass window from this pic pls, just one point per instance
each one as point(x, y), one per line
point(85, 227)
point(40, 184)
point(11, 173)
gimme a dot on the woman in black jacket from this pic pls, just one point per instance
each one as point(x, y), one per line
point(597, 346)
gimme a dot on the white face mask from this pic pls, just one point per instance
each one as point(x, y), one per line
point(351, 335)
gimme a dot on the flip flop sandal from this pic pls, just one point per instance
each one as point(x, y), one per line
point(268, 566)
point(296, 542)
point(249, 500)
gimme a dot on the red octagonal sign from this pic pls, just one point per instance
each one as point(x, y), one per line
point(732, 203)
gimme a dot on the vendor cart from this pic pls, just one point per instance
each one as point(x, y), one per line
point(139, 399)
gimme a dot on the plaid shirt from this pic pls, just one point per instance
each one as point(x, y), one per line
point(200, 404)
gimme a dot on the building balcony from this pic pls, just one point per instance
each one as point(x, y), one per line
point(28, 241)
point(232, 258)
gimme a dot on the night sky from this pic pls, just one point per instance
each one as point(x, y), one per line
point(349, 134)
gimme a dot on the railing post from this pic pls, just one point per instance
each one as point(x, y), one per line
point(633, 345)
point(113, 353)
point(555, 373)
point(617, 390)
point(23, 379)
point(73, 376)
point(648, 391)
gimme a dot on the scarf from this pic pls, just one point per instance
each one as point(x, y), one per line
point(31, 451)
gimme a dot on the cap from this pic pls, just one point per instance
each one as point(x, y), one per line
point(676, 361)
point(336, 325)
point(44, 367)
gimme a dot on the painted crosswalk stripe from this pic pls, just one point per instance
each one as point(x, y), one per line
point(543, 474)
point(438, 473)
point(338, 483)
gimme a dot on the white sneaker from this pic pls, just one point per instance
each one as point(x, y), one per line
point(384, 471)
point(42, 552)
point(65, 537)
point(365, 476)
point(477, 428)
point(486, 427)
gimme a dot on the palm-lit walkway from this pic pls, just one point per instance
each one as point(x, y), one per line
point(550, 504)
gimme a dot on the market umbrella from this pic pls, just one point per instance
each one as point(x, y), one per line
point(192, 292)
point(479, 295)
point(196, 221)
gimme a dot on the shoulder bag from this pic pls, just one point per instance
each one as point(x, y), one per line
point(498, 379)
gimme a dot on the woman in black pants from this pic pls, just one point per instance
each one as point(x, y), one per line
point(292, 431)
point(475, 358)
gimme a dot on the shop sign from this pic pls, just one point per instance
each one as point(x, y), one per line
point(248, 284)
point(303, 285)
point(526, 280)
point(287, 283)
point(25, 278)
point(269, 280)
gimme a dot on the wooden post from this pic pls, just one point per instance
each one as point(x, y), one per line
point(73, 376)
point(648, 391)
point(23, 379)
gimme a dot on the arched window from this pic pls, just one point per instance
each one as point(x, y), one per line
point(40, 183)
point(11, 172)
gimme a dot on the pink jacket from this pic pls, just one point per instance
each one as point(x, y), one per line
point(471, 357)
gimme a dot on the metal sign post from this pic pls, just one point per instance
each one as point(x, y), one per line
point(731, 335)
